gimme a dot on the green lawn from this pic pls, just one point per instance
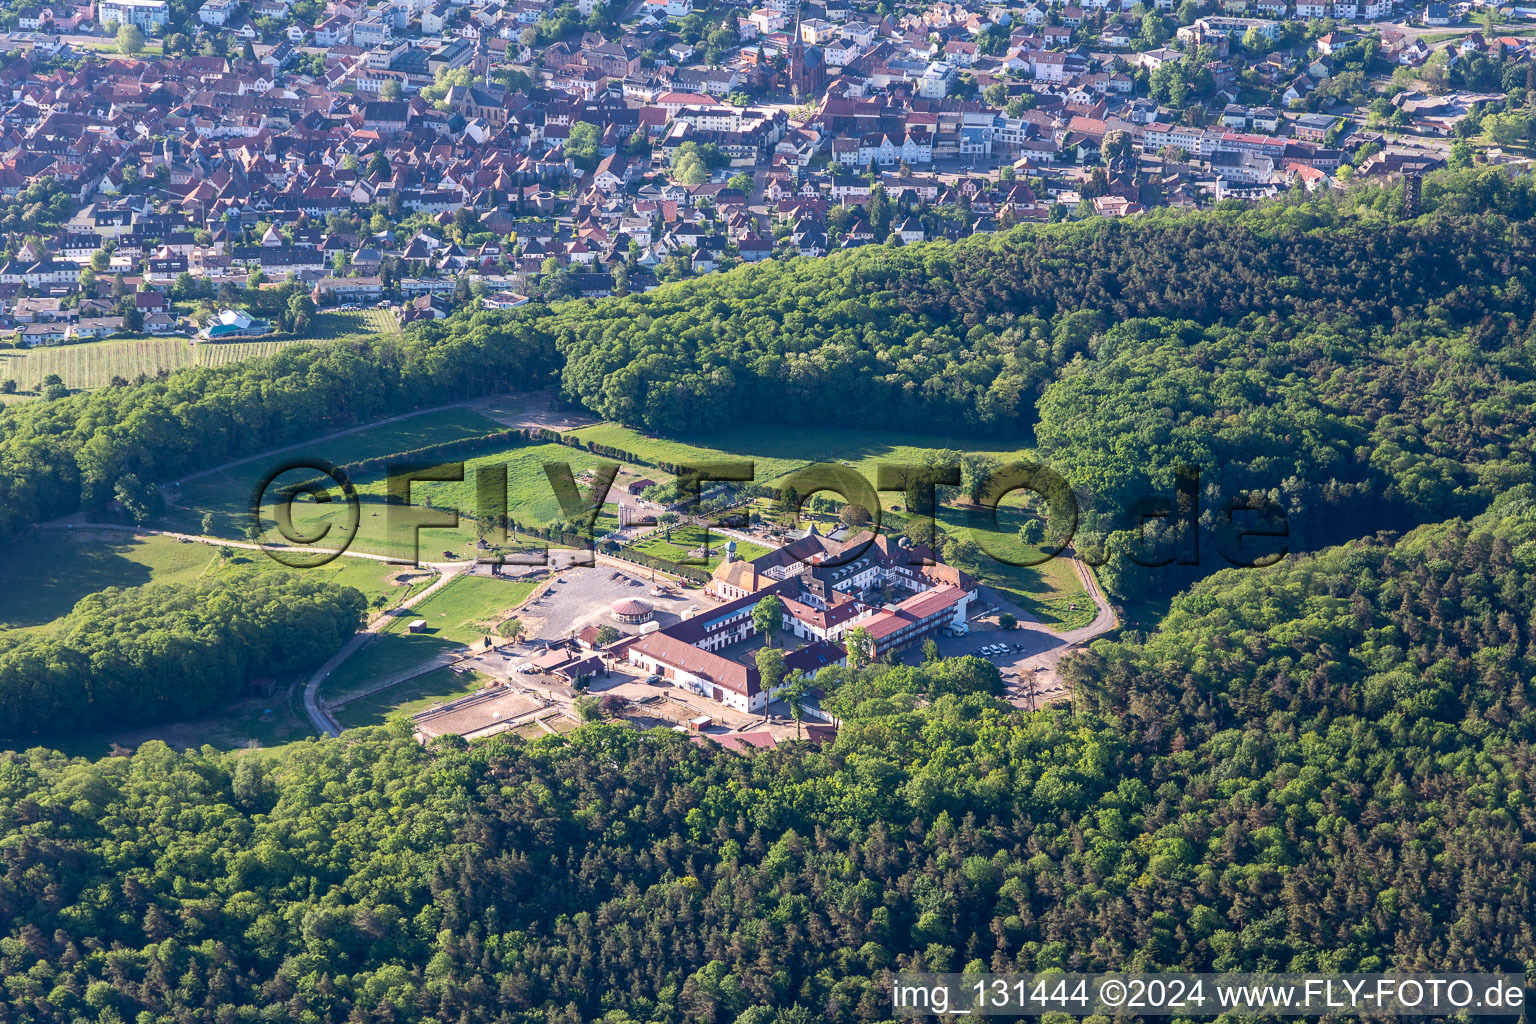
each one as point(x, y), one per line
point(410, 697)
point(530, 497)
point(371, 577)
point(686, 539)
point(49, 571)
point(386, 655)
point(464, 611)
point(469, 608)
point(1050, 591)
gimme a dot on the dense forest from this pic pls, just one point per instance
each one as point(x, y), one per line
point(134, 654)
point(1324, 765)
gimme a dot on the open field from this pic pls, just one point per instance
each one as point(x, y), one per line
point(93, 364)
point(374, 579)
point(385, 656)
point(61, 567)
point(227, 495)
point(530, 498)
point(1050, 591)
point(463, 611)
point(469, 608)
point(780, 450)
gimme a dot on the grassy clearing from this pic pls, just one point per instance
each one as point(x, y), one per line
point(1050, 591)
point(530, 498)
point(226, 496)
point(469, 608)
point(61, 567)
point(462, 612)
point(387, 655)
point(410, 697)
point(777, 451)
point(270, 726)
point(686, 543)
point(373, 578)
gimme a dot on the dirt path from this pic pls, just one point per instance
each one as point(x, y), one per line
point(318, 716)
point(320, 440)
point(220, 542)
point(1040, 671)
point(318, 712)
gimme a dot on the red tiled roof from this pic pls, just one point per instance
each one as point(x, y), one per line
point(914, 609)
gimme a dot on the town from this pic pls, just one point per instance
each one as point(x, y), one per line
point(227, 171)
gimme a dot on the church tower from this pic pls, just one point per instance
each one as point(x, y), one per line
point(796, 58)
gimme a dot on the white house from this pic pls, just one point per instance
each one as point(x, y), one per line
point(148, 15)
point(217, 12)
point(669, 8)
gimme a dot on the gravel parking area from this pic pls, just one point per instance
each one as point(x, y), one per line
point(665, 706)
point(582, 596)
point(1028, 662)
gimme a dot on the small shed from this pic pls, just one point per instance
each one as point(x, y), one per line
point(700, 723)
point(416, 626)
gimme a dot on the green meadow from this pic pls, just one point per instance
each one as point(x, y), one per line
point(776, 451)
point(462, 613)
point(62, 566)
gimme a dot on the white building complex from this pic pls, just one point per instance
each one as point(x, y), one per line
point(827, 588)
point(148, 15)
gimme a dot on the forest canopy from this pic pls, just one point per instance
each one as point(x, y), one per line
point(1321, 766)
point(133, 654)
